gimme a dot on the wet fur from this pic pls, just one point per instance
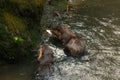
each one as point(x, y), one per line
point(63, 33)
point(46, 61)
point(73, 45)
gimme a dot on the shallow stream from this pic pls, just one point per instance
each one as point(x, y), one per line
point(99, 24)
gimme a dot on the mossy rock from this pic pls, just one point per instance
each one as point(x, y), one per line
point(20, 28)
point(14, 44)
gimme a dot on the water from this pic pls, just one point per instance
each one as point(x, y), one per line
point(99, 24)
point(20, 71)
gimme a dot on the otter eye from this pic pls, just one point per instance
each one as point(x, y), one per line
point(59, 31)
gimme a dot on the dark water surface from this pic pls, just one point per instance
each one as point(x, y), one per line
point(99, 24)
point(20, 71)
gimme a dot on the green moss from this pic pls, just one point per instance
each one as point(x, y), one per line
point(32, 2)
point(14, 24)
point(19, 28)
point(13, 40)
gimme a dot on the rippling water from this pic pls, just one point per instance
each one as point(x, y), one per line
point(99, 25)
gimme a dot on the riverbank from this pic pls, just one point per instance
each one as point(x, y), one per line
point(19, 28)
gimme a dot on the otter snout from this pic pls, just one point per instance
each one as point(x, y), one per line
point(49, 31)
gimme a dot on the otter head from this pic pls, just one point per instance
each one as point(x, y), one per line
point(55, 31)
point(41, 51)
point(62, 32)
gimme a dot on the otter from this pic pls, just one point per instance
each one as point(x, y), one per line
point(45, 60)
point(69, 5)
point(75, 47)
point(45, 55)
point(62, 32)
point(73, 44)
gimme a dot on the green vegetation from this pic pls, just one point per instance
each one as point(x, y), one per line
point(20, 28)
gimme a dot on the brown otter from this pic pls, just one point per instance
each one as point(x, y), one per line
point(45, 59)
point(74, 45)
point(69, 5)
point(62, 32)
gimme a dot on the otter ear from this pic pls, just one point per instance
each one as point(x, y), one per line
point(49, 31)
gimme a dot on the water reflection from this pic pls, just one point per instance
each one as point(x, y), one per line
point(22, 71)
